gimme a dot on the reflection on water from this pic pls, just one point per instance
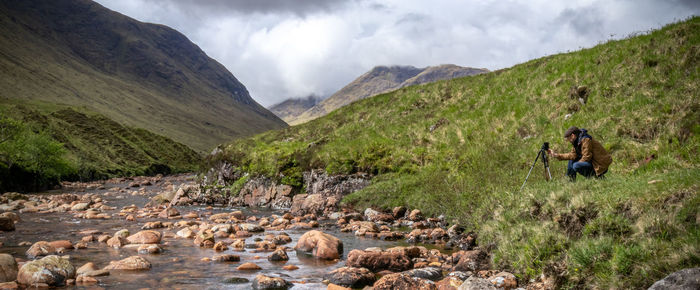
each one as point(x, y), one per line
point(180, 265)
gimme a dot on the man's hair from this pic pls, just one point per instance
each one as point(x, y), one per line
point(572, 130)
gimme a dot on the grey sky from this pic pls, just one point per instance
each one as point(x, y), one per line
point(282, 48)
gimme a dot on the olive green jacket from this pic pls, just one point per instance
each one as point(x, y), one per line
point(593, 152)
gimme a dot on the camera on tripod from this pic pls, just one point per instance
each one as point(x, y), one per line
point(545, 160)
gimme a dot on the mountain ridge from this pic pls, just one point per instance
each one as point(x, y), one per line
point(382, 79)
point(141, 74)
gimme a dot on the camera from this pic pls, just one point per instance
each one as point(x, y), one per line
point(545, 146)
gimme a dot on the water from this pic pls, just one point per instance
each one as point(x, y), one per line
point(180, 266)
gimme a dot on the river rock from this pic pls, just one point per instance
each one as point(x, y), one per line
point(235, 280)
point(149, 249)
point(9, 285)
point(6, 224)
point(376, 261)
point(51, 270)
point(117, 242)
point(430, 273)
point(248, 267)
point(65, 244)
point(89, 266)
point(145, 237)
point(226, 258)
point(278, 255)
point(185, 233)
point(80, 206)
point(476, 283)
point(13, 216)
point(685, 279)
point(220, 246)
point(253, 228)
point(450, 282)
point(124, 233)
point(204, 238)
point(473, 260)
point(8, 268)
point(130, 263)
point(504, 280)
point(270, 283)
point(415, 215)
point(41, 248)
point(399, 212)
point(403, 281)
point(320, 244)
point(169, 212)
point(351, 277)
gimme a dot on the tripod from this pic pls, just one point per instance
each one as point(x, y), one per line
point(543, 152)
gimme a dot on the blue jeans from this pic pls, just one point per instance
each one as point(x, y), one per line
point(581, 167)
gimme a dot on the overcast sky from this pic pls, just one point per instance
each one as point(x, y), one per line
point(284, 48)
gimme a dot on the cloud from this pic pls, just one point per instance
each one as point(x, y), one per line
point(281, 49)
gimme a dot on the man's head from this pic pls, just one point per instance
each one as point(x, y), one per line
point(572, 133)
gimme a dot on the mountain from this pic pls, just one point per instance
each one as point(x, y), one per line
point(77, 52)
point(293, 107)
point(462, 148)
point(382, 79)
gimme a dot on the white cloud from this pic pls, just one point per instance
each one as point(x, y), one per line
point(278, 50)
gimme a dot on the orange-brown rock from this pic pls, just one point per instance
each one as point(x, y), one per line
point(65, 244)
point(130, 263)
point(403, 281)
point(321, 245)
point(248, 267)
point(379, 260)
point(145, 237)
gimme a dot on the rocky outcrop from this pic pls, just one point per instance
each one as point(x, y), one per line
point(323, 191)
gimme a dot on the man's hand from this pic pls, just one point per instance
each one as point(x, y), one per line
point(551, 153)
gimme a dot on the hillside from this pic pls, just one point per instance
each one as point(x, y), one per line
point(382, 79)
point(76, 52)
point(463, 147)
point(290, 108)
point(96, 148)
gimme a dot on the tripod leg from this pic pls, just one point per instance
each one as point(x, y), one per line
point(531, 167)
point(545, 160)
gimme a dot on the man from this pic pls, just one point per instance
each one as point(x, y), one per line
point(587, 158)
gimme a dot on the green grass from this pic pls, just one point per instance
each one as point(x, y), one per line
point(99, 147)
point(622, 232)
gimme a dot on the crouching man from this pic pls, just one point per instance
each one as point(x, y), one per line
point(587, 158)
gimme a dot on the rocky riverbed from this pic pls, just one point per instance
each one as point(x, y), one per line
point(151, 232)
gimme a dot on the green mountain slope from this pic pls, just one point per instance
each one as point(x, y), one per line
point(78, 53)
point(463, 147)
point(378, 80)
point(96, 147)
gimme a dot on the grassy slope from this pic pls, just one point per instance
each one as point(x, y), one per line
point(620, 232)
point(153, 77)
point(101, 147)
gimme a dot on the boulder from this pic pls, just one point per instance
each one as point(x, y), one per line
point(149, 249)
point(169, 212)
point(253, 228)
point(399, 212)
point(248, 267)
point(130, 263)
point(471, 260)
point(278, 255)
point(321, 245)
point(681, 280)
point(351, 277)
point(65, 244)
point(430, 273)
point(450, 282)
point(203, 237)
point(476, 283)
point(41, 248)
point(6, 224)
point(226, 258)
point(88, 267)
point(403, 281)
point(8, 268)
point(220, 246)
point(505, 280)
point(270, 283)
point(376, 261)
point(185, 233)
point(80, 206)
point(145, 237)
point(117, 242)
point(51, 270)
point(13, 216)
point(415, 215)
point(124, 233)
